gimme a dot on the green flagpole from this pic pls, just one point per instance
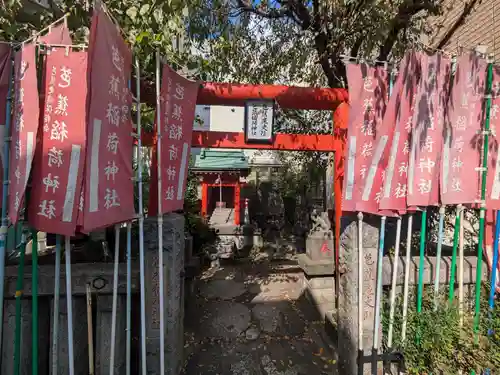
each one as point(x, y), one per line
point(482, 210)
point(19, 296)
point(454, 254)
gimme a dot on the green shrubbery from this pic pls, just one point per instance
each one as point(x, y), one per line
point(436, 342)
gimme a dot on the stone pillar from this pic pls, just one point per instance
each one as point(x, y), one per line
point(80, 341)
point(318, 264)
point(102, 341)
point(348, 297)
point(173, 268)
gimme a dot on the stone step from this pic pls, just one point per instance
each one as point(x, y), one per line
point(222, 216)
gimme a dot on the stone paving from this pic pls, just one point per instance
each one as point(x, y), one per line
point(251, 319)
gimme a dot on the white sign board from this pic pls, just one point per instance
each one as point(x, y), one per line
point(259, 121)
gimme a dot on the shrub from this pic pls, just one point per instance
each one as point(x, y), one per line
point(436, 342)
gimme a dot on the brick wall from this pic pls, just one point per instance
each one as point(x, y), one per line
point(482, 26)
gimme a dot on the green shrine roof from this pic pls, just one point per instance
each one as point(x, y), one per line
point(209, 160)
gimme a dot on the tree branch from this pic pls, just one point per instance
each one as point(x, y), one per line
point(406, 11)
point(272, 13)
point(459, 22)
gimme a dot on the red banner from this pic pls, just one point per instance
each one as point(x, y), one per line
point(59, 166)
point(377, 176)
point(177, 116)
point(395, 184)
point(427, 131)
point(109, 188)
point(5, 77)
point(368, 93)
point(24, 129)
point(462, 147)
point(493, 175)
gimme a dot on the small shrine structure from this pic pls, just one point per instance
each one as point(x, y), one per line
point(222, 175)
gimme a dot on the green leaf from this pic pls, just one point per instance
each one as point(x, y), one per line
point(132, 13)
point(141, 36)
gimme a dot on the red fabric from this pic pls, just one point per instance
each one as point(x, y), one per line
point(5, 71)
point(57, 35)
point(427, 131)
point(368, 93)
point(109, 188)
point(24, 128)
point(462, 147)
point(404, 94)
point(59, 166)
point(177, 107)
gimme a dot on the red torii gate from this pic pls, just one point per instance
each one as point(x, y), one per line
point(287, 97)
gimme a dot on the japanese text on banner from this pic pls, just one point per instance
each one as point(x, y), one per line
point(59, 167)
point(395, 184)
point(24, 129)
point(178, 111)
point(380, 169)
point(109, 188)
point(367, 96)
point(427, 131)
point(461, 153)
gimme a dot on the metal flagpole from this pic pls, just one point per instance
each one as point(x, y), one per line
point(115, 300)
point(34, 302)
point(442, 210)
point(407, 276)
point(378, 292)
point(482, 210)
point(69, 304)
point(55, 316)
point(160, 216)
point(5, 223)
point(360, 286)
point(461, 267)
point(128, 320)
point(19, 296)
point(393, 284)
point(141, 220)
point(494, 270)
point(420, 291)
point(129, 298)
point(90, 329)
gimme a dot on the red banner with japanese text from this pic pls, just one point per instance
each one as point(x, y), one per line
point(368, 92)
point(427, 131)
point(24, 129)
point(109, 188)
point(460, 180)
point(493, 174)
point(385, 133)
point(5, 78)
point(58, 168)
point(178, 104)
point(396, 178)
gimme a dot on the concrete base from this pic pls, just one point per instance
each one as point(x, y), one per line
point(317, 267)
point(320, 291)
